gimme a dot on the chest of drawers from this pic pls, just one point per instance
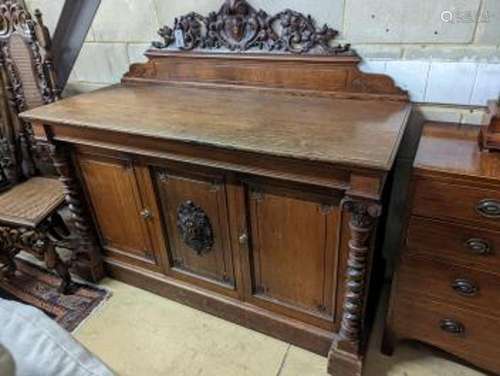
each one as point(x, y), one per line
point(446, 290)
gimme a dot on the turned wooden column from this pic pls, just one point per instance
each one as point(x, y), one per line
point(87, 260)
point(345, 357)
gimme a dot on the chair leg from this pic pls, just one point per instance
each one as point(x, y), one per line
point(58, 227)
point(66, 287)
point(11, 263)
point(9, 267)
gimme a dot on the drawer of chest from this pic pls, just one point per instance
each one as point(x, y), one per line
point(456, 202)
point(464, 333)
point(464, 245)
point(449, 283)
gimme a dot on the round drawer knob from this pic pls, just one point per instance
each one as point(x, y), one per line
point(478, 246)
point(451, 326)
point(464, 287)
point(489, 208)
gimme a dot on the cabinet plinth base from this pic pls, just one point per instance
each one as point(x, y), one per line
point(292, 331)
point(342, 363)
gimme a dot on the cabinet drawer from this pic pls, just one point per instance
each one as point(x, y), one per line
point(454, 284)
point(468, 246)
point(456, 202)
point(464, 333)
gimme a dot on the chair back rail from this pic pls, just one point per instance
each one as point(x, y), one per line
point(28, 78)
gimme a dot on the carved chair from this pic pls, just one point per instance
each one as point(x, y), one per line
point(29, 218)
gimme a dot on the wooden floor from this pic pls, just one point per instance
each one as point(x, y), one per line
point(138, 333)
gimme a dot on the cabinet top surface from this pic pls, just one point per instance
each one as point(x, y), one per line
point(453, 149)
point(362, 133)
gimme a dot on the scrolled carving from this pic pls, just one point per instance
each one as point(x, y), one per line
point(8, 162)
point(299, 33)
point(21, 38)
point(38, 243)
point(13, 17)
point(238, 26)
point(195, 228)
point(40, 65)
point(363, 213)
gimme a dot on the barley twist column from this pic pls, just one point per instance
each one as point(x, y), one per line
point(345, 358)
point(87, 258)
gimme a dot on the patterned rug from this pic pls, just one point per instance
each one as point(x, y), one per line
point(37, 287)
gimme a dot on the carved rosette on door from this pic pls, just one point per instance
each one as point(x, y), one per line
point(195, 228)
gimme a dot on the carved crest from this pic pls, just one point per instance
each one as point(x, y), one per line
point(195, 228)
point(19, 30)
point(13, 17)
point(238, 26)
point(363, 213)
point(28, 74)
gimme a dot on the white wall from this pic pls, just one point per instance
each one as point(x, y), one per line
point(456, 62)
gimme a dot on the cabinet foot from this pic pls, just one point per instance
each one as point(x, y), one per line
point(342, 363)
point(388, 342)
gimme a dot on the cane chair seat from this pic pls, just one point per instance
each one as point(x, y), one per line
point(31, 202)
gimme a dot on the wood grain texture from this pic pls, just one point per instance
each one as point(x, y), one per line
point(336, 76)
point(360, 133)
point(478, 343)
point(448, 149)
point(206, 192)
point(285, 273)
point(453, 202)
point(244, 161)
point(465, 245)
point(446, 286)
point(113, 188)
point(457, 285)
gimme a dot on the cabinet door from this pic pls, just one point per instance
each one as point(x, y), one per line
point(196, 220)
point(125, 216)
point(292, 253)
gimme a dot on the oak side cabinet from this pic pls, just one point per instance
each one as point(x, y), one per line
point(258, 201)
